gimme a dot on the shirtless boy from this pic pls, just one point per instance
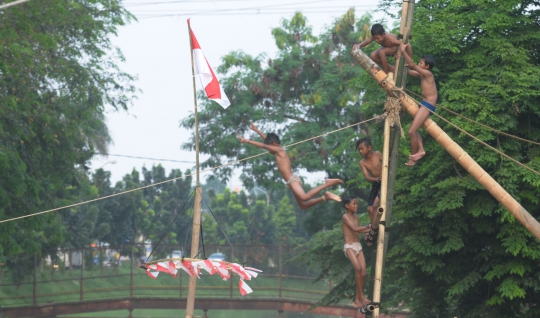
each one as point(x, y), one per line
point(429, 93)
point(283, 162)
point(371, 167)
point(389, 46)
point(353, 249)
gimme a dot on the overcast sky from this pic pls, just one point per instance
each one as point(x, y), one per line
point(157, 51)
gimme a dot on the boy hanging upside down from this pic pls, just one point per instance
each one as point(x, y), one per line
point(353, 249)
point(429, 93)
point(389, 46)
point(283, 162)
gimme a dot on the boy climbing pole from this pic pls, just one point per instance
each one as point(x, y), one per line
point(371, 167)
point(429, 93)
point(389, 46)
point(283, 162)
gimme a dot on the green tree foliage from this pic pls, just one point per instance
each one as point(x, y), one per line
point(244, 219)
point(285, 221)
point(57, 73)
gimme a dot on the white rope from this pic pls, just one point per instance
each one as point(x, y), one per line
point(170, 180)
point(12, 4)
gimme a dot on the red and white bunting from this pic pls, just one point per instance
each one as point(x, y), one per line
point(244, 288)
point(152, 274)
point(222, 270)
point(238, 269)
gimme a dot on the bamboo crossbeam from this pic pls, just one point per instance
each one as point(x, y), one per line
point(461, 156)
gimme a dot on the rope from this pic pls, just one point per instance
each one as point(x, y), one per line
point(173, 179)
point(392, 107)
point(165, 232)
point(480, 124)
point(219, 225)
point(477, 139)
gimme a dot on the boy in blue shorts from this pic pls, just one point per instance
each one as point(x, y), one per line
point(429, 93)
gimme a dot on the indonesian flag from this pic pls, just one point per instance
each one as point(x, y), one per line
point(204, 72)
point(244, 288)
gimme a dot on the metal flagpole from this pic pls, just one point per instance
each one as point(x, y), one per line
point(190, 303)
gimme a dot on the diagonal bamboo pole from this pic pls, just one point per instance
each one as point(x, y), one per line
point(453, 148)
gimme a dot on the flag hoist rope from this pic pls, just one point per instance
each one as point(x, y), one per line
point(183, 177)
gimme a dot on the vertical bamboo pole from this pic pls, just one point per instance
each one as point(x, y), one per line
point(454, 149)
point(401, 77)
point(381, 215)
point(190, 303)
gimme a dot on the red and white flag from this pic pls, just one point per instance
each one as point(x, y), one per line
point(154, 275)
point(244, 288)
point(206, 75)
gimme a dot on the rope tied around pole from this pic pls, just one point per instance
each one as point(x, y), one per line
point(392, 108)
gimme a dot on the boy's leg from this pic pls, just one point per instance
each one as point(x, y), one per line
point(417, 148)
point(299, 193)
point(375, 208)
point(384, 60)
point(375, 56)
point(359, 264)
point(360, 287)
point(370, 212)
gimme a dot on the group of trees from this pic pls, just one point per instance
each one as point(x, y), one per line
point(453, 249)
point(57, 74)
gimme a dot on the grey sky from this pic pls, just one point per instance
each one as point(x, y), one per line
point(157, 51)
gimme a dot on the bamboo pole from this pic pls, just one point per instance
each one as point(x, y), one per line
point(190, 302)
point(381, 216)
point(453, 148)
point(401, 77)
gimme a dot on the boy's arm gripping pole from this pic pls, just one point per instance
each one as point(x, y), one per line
point(453, 148)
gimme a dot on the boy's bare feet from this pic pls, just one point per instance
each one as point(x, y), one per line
point(331, 196)
point(357, 304)
point(410, 163)
point(417, 156)
point(364, 301)
point(333, 182)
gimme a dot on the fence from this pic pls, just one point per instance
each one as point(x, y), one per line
point(106, 272)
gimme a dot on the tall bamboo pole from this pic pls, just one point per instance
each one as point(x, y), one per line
point(453, 148)
point(407, 11)
point(190, 303)
point(381, 215)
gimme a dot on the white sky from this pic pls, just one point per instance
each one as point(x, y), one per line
point(157, 51)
